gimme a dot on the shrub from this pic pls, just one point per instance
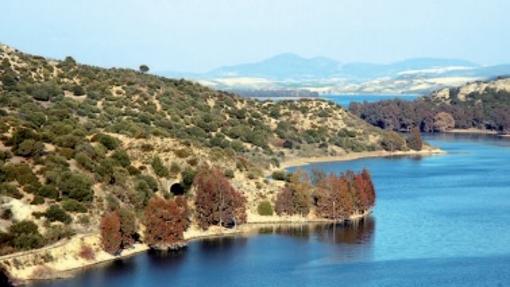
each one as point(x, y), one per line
point(121, 157)
point(159, 168)
point(48, 191)
point(55, 213)
point(58, 232)
point(37, 200)
point(45, 91)
point(86, 252)
point(72, 205)
point(10, 190)
point(78, 90)
point(279, 175)
point(175, 168)
point(29, 148)
point(108, 141)
point(76, 186)
point(265, 208)
point(229, 173)
point(25, 235)
point(188, 175)
point(216, 201)
point(165, 221)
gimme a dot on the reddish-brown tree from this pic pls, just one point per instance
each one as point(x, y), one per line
point(338, 197)
point(295, 197)
point(370, 189)
point(217, 202)
point(165, 221)
point(111, 236)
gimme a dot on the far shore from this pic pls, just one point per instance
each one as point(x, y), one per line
point(471, 131)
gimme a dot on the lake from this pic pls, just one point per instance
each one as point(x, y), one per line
point(346, 99)
point(440, 220)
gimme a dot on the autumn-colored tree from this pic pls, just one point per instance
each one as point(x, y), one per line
point(338, 197)
point(165, 221)
point(295, 197)
point(217, 202)
point(111, 236)
point(370, 189)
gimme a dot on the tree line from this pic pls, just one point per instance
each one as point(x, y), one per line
point(486, 110)
point(216, 202)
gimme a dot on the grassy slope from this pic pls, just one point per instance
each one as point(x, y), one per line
point(61, 120)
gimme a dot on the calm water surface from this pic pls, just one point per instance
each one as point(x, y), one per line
point(440, 221)
point(345, 100)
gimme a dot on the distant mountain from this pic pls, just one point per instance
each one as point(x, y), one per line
point(281, 66)
point(325, 75)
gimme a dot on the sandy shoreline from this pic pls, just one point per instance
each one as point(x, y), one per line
point(67, 270)
point(358, 155)
point(471, 131)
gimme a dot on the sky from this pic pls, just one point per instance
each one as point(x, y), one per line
point(196, 36)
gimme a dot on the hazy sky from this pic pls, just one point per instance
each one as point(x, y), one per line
point(191, 35)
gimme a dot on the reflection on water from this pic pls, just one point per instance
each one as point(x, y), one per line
point(351, 232)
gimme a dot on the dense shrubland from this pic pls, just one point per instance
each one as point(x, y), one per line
point(81, 145)
point(485, 106)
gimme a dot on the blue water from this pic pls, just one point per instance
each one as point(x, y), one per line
point(440, 220)
point(345, 100)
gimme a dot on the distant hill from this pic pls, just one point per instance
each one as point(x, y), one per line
point(326, 75)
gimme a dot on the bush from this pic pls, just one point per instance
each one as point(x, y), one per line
point(72, 205)
point(87, 253)
point(55, 213)
point(78, 90)
point(108, 141)
point(48, 191)
point(159, 168)
point(29, 148)
point(121, 157)
point(188, 175)
point(265, 208)
point(279, 175)
point(58, 232)
point(25, 235)
point(45, 91)
point(229, 173)
point(76, 186)
point(37, 200)
point(10, 190)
